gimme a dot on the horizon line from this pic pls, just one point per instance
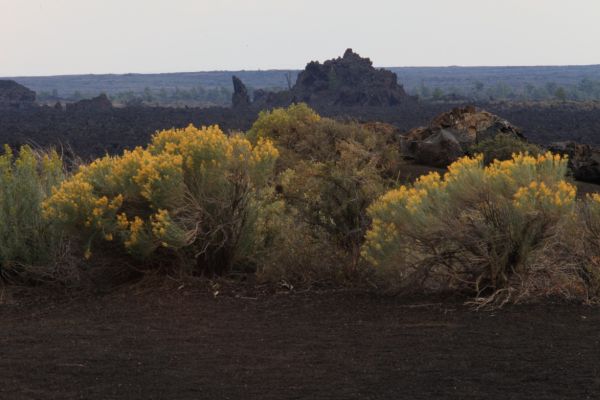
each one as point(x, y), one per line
point(293, 69)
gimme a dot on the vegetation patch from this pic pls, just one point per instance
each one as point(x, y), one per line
point(478, 228)
point(189, 193)
point(306, 200)
point(30, 245)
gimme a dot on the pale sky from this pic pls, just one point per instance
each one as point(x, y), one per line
point(46, 37)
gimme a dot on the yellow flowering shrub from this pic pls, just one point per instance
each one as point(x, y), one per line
point(26, 239)
point(279, 122)
point(302, 135)
point(188, 191)
point(329, 172)
point(476, 227)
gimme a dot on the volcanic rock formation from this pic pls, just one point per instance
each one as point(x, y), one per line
point(348, 81)
point(15, 96)
point(450, 134)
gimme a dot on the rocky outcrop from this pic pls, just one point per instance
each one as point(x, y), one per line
point(438, 149)
point(584, 160)
point(240, 97)
point(348, 81)
point(97, 104)
point(450, 134)
point(14, 96)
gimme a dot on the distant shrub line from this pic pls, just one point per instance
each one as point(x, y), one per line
point(306, 200)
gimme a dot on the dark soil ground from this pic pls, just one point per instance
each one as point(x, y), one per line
point(189, 344)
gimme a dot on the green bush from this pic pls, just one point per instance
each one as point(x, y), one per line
point(332, 197)
point(502, 147)
point(287, 249)
point(477, 229)
point(26, 239)
point(329, 173)
point(292, 129)
point(302, 135)
point(189, 193)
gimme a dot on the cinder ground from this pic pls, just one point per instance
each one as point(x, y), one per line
point(191, 345)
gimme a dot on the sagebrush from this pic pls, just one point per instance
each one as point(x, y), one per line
point(476, 228)
point(28, 242)
point(188, 193)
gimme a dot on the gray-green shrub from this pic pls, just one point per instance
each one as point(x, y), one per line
point(26, 238)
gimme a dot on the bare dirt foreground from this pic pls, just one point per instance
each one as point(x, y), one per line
point(190, 345)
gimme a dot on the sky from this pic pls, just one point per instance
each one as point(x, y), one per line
point(55, 37)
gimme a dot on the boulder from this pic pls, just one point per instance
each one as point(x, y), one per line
point(584, 160)
point(240, 97)
point(439, 149)
point(14, 96)
point(450, 134)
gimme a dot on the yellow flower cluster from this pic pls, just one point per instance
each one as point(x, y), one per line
point(103, 206)
point(464, 164)
point(270, 123)
point(72, 200)
point(136, 228)
point(433, 180)
point(264, 150)
point(122, 221)
point(539, 194)
point(160, 223)
point(210, 151)
point(160, 177)
point(381, 235)
point(526, 167)
point(410, 198)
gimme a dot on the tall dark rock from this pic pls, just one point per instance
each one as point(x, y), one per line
point(14, 96)
point(240, 97)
